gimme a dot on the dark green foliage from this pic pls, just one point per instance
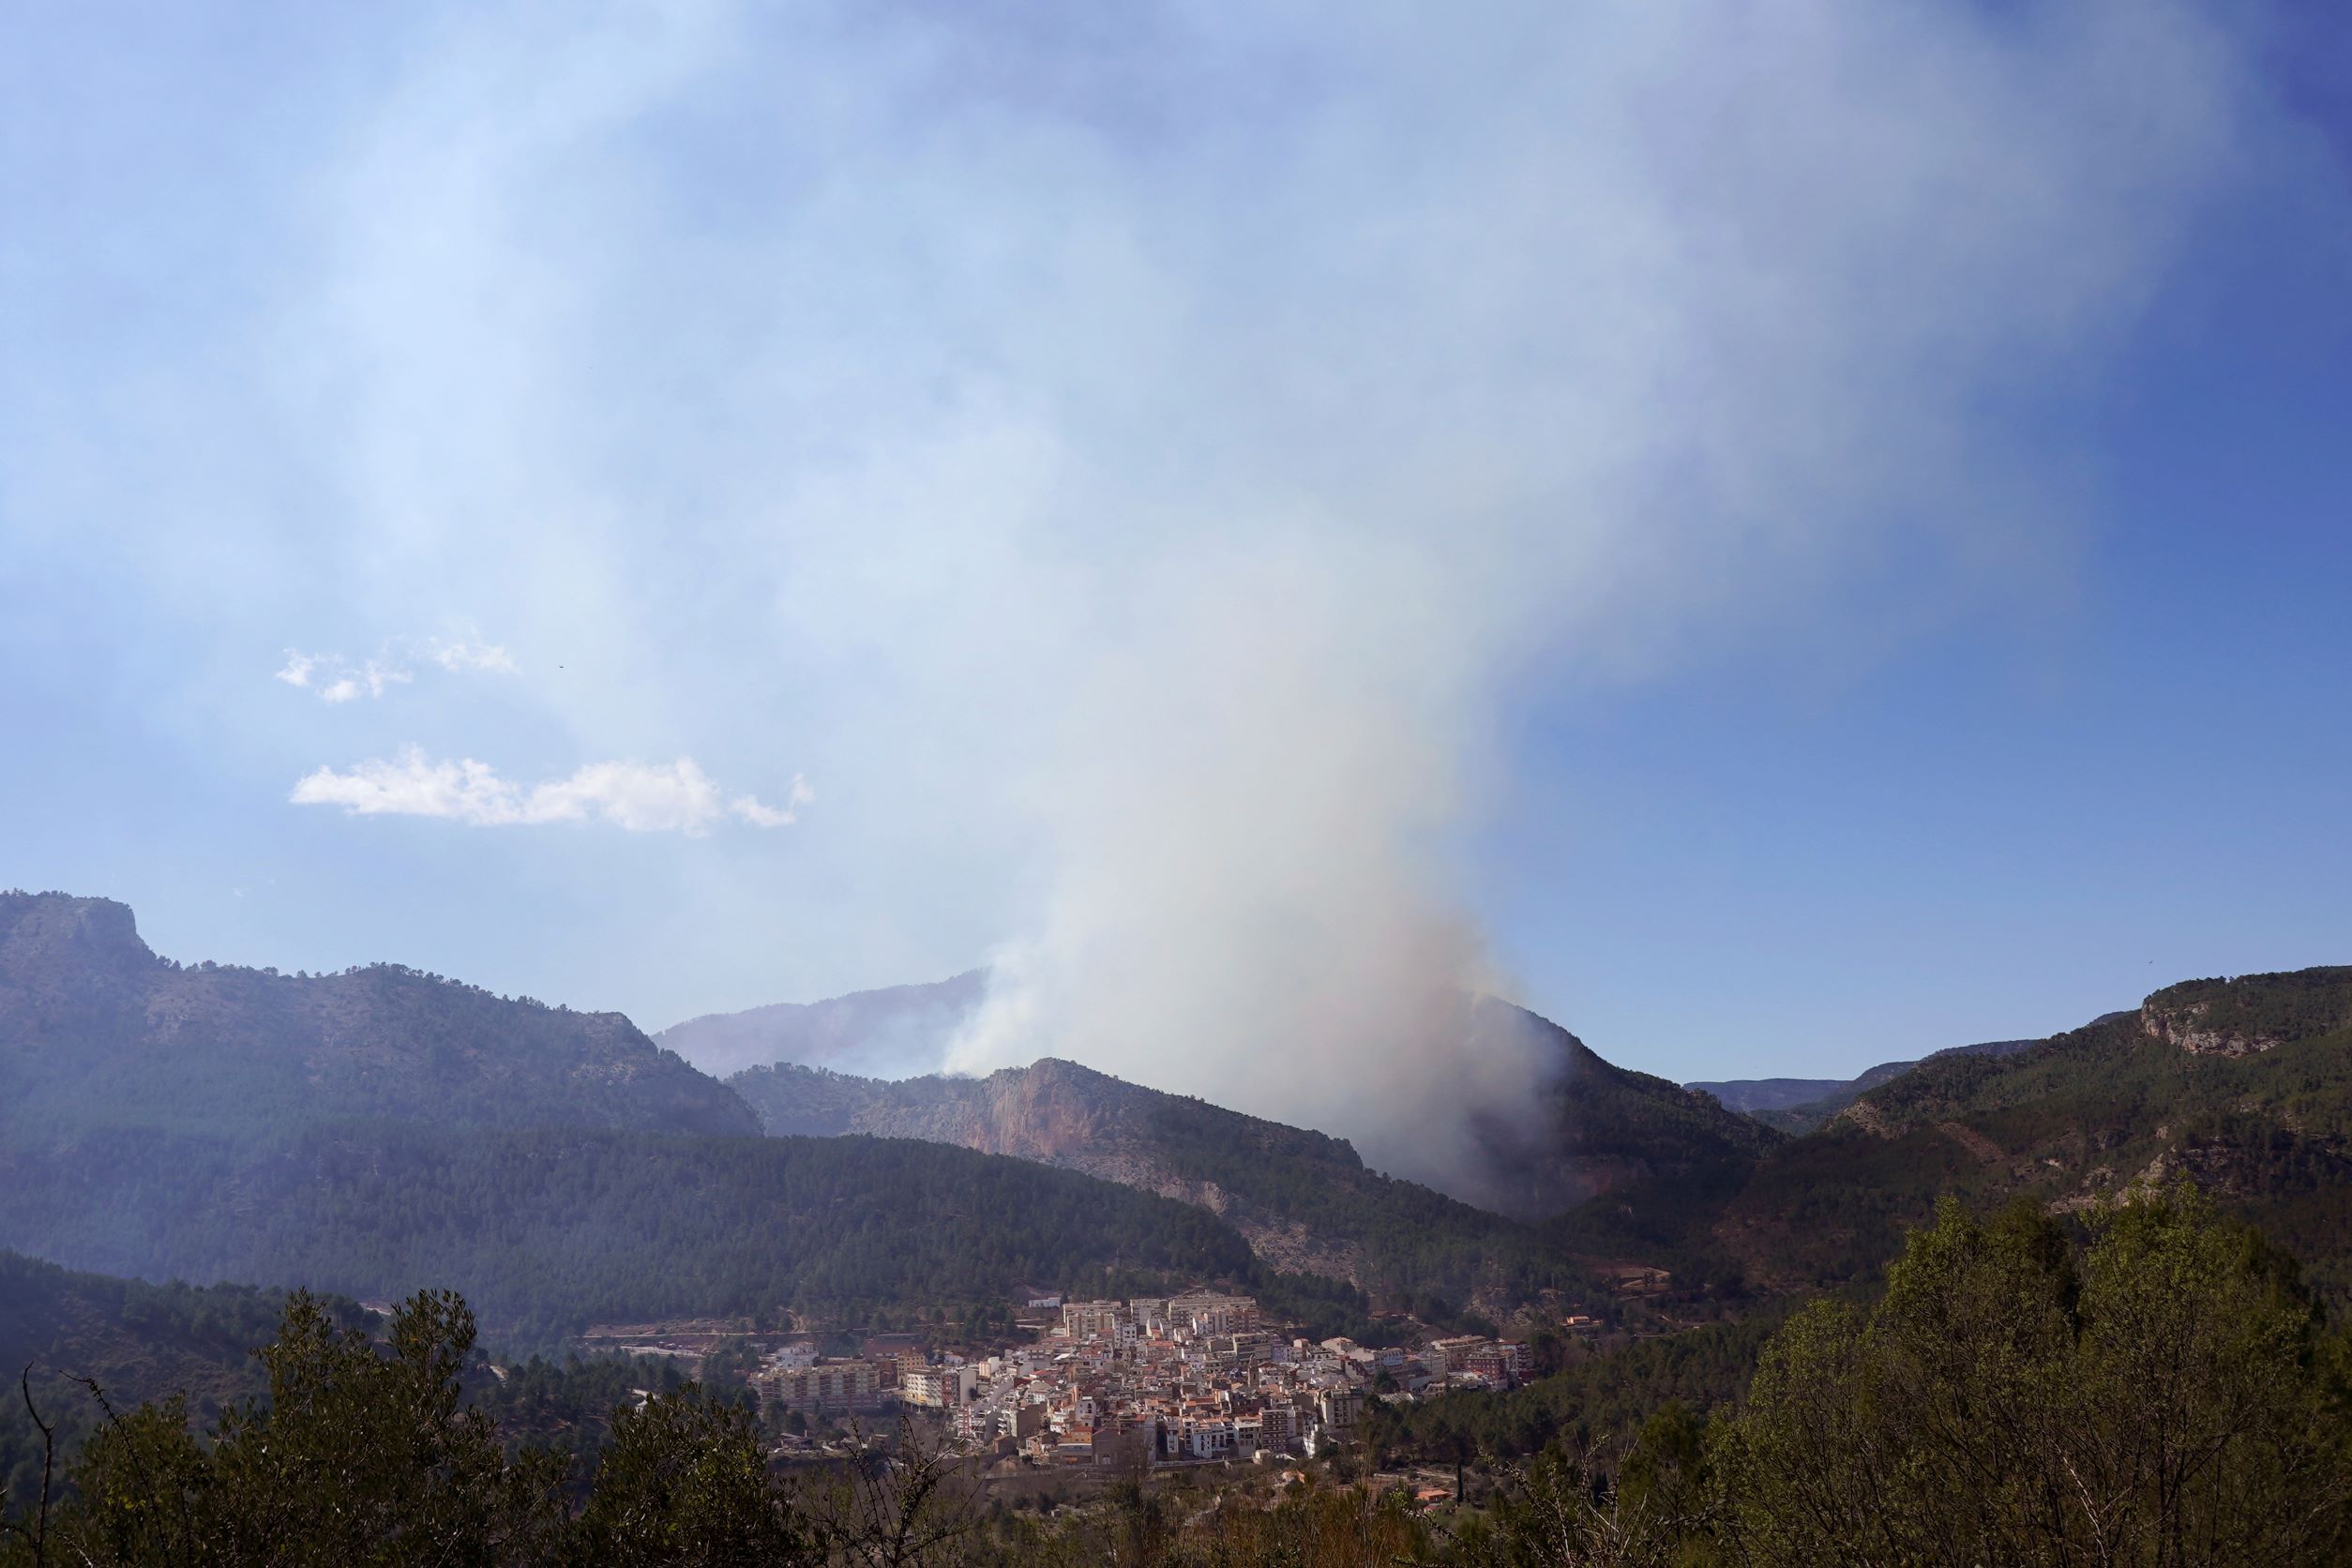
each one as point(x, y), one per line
point(1556, 1512)
point(368, 1453)
point(551, 1229)
point(360, 1454)
point(684, 1482)
point(2158, 1391)
point(2266, 1132)
point(727, 1367)
point(1795, 1106)
point(1595, 1405)
point(2278, 1008)
point(2161, 1398)
point(568, 1406)
point(1668, 1221)
point(136, 1341)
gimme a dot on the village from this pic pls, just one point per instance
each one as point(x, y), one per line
point(1154, 1380)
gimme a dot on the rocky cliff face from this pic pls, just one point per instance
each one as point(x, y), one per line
point(1598, 1126)
point(2250, 1014)
point(2186, 1025)
point(1304, 1200)
point(1059, 1113)
point(2242, 1086)
point(95, 1029)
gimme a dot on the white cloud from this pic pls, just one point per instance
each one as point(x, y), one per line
point(751, 811)
point(335, 679)
point(370, 679)
point(640, 797)
point(459, 658)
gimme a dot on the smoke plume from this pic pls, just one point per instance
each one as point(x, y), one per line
point(1125, 457)
point(1693, 315)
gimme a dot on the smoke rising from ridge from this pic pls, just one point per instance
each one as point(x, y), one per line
point(1126, 464)
point(1667, 325)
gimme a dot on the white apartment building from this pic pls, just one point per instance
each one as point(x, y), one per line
point(832, 1385)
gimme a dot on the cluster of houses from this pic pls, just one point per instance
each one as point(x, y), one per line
point(1195, 1377)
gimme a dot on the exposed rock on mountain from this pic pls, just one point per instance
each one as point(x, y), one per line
point(1304, 1200)
point(95, 1029)
point(1595, 1127)
point(2243, 1086)
point(2254, 1013)
point(897, 1031)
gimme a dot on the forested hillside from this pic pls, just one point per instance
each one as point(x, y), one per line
point(1304, 1200)
point(136, 1341)
point(1598, 1126)
point(2243, 1086)
point(549, 1230)
point(382, 1129)
point(96, 1031)
point(1801, 1104)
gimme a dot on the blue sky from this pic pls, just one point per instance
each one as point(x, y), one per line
point(1784, 544)
point(2006, 822)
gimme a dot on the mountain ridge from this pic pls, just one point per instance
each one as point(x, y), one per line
point(382, 1128)
point(94, 1025)
point(1801, 1104)
point(2242, 1085)
point(1595, 1123)
point(1304, 1200)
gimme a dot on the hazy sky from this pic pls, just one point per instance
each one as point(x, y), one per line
point(1781, 536)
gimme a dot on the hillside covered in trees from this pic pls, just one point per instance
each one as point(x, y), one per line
point(96, 1031)
point(135, 1341)
point(1304, 1200)
point(2242, 1085)
point(552, 1228)
point(1802, 1104)
point(369, 1132)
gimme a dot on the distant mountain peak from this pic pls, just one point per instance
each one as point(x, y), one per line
point(891, 1031)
